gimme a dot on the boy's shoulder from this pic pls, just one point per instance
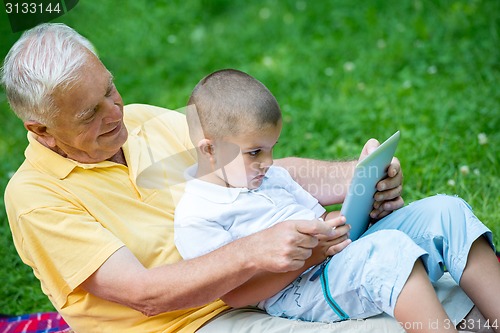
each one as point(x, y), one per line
point(278, 171)
point(277, 174)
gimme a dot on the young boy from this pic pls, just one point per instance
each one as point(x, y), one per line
point(235, 191)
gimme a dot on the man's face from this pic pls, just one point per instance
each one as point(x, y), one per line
point(89, 127)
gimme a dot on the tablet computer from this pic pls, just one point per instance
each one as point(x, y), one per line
point(359, 200)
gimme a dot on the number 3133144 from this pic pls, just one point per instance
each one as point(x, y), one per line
point(32, 7)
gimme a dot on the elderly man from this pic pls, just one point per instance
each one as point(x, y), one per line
point(91, 208)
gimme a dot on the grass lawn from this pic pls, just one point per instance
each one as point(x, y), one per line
point(343, 72)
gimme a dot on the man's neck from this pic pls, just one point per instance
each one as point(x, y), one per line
point(119, 158)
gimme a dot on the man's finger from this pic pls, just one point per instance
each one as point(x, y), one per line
point(368, 148)
point(385, 207)
point(315, 227)
point(387, 195)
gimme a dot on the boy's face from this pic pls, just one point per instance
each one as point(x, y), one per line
point(254, 156)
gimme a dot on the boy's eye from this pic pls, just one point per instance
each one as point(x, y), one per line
point(254, 152)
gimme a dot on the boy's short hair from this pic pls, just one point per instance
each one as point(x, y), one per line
point(229, 102)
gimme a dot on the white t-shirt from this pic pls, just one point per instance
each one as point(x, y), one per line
point(210, 216)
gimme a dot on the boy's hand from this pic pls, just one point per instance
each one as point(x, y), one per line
point(388, 196)
point(332, 244)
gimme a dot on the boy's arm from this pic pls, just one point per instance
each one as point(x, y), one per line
point(330, 215)
point(263, 285)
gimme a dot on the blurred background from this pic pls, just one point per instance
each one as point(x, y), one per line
point(342, 71)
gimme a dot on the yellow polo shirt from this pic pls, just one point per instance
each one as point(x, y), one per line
point(67, 218)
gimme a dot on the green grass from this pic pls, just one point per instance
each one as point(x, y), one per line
point(342, 71)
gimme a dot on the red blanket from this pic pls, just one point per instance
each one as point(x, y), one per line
point(47, 322)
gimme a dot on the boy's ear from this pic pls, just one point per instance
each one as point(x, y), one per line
point(41, 131)
point(206, 147)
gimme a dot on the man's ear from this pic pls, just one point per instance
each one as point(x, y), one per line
point(206, 147)
point(41, 132)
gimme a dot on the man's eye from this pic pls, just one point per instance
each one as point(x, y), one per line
point(110, 91)
point(90, 115)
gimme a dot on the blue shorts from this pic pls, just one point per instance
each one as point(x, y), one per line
point(366, 278)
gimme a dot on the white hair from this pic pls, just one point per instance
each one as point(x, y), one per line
point(43, 59)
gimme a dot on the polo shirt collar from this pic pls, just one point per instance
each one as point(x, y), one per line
point(142, 158)
point(51, 163)
point(211, 192)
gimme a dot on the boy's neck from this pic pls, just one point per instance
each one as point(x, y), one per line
point(206, 174)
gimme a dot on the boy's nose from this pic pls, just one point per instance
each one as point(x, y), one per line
point(266, 163)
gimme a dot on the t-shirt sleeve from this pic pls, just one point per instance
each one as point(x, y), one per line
point(195, 237)
point(196, 231)
point(78, 246)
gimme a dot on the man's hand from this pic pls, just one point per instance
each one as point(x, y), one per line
point(388, 196)
point(287, 245)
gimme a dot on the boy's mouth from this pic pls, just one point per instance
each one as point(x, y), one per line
point(260, 177)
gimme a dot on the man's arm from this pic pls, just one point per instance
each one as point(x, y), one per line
point(327, 181)
point(281, 248)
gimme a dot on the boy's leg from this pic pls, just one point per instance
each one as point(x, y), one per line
point(481, 281)
point(474, 322)
point(444, 226)
point(447, 229)
point(379, 273)
point(362, 281)
point(418, 308)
